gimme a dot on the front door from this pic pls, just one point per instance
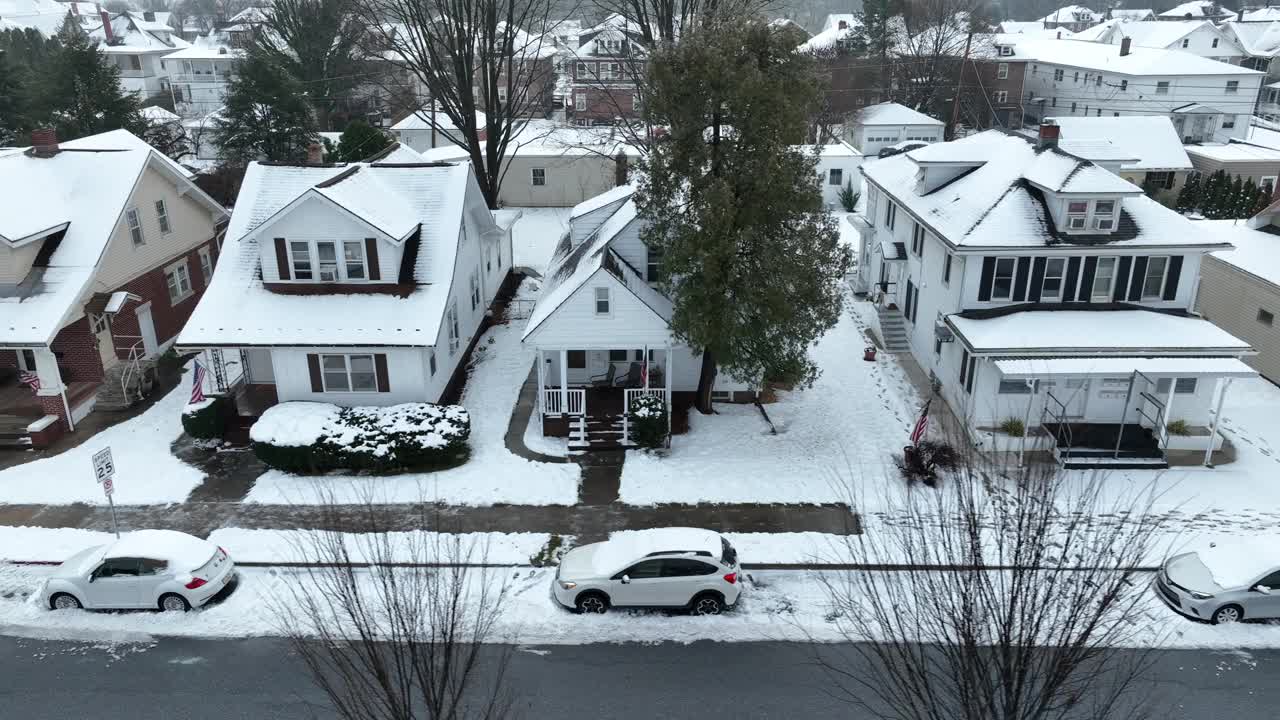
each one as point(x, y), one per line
point(101, 329)
point(148, 330)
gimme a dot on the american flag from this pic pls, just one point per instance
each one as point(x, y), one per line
point(644, 373)
point(917, 433)
point(29, 379)
point(197, 384)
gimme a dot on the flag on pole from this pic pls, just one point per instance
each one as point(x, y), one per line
point(917, 433)
point(644, 370)
point(29, 379)
point(197, 384)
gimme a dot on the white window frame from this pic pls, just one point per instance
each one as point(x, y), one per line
point(344, 263)
point(133, 220)
point(1111, 280)
point(431, 361)
point(1059, 74)
point(1082, 216)
point(347, 372)
point(600, 294)
point(175, 276)
point(917, 239)
point(1000, 96)
point(537, 177)
point(1061, 277)
point(162, 218)
point(1146, 277)
point(1013, 277)
point(22, 359)
point(1006, 51)
point(946, 269)
point(1214, 43)
point(341, 272)
point(455, 336)
point(475, 288)
point(206, 264)
point(1233, 87)
point(1268, 180)
point(580, 102)
point(1002, 69)
point(1186, 42)
point(1162, 87)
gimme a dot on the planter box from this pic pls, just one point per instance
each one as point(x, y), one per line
point(996, 441)
point(1193, 442)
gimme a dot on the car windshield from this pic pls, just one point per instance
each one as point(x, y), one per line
point(728, 556)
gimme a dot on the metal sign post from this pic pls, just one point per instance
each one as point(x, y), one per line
point(104, 470)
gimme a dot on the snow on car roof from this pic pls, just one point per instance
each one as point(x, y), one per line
point(181, 551)
point(1237, 562)
point(626, 546)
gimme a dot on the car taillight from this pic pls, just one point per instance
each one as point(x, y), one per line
point(195, 583)
point(731, 578)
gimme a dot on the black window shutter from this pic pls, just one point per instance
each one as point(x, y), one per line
point(1122, 279)
point(1086, 279)
point(371, 256)
point(282, 259)
point(1139, 274)
point(1020, 279)
point(1069, 282)
point(1037, 280)
point(313, 368)
point(988, 273)
point(1171, 279)
point(964, 366)
point(380, 371)
point(907, 314)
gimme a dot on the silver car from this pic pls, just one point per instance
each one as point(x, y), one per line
point(1222, 583)
point(664, 568)
point(157, 569)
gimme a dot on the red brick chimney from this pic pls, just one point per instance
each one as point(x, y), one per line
point(1049, 132)
point(844, 25)
point(44, 141)
point(315, 154)
point(106, 26)
point(1125, 44)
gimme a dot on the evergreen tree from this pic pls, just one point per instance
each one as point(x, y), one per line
point(83, 91)
point(359, 141)
point(752, 259)
point(1248, 198)
point(1231, 201)
point(1189, 196)
point(873, 37)
point(1262, 202)
point(9, 118)
point(266, 116)
point(1215, 195)
point(316, 42)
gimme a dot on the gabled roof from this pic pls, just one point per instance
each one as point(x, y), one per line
point(421, 120)
point(1254, 251)
point(1149, 138)
point(1071, 14)
point(1199, 9)
point(994, 204)
point(1259, 39)
point(891, 113)
point(1162, 34)
point(128, 36)
point(1141, 61)
point(608, 197)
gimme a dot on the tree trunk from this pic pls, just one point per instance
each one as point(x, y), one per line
point(706, 382)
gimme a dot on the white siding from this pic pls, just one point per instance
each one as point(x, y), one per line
point(575, 324)
point(848, 165)
point(315, 219)
point(15, 263)
point(404, 375)
point(631, 248)
point(570, 179)
point(1231, 299)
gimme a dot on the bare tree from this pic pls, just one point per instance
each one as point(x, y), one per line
point(397, 625)
point(930, 39)
point(483, 64)
point(1012, 588)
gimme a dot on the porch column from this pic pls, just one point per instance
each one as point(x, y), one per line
point(1224, 384)
point(671, 405)
point(1168, 402)
point(51, 385)
point(564, 381)
point(541, 403)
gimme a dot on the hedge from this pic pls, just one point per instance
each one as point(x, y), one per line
point(318, 437)
point(207, 420)
point(648, 417)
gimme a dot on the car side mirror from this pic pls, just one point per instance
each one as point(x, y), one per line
point(1262, 589)
point(626, 579)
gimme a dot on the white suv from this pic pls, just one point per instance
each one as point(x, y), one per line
point(663, 568)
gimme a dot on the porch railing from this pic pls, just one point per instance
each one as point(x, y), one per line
point(628, 396)
point(552, 405)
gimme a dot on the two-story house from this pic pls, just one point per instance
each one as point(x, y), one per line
point(199, 75)
point(353, 284)
point(105, 247)
point(136, 45)
point(1198, 10)
point(996, 79)
point(1208, 101)
point(602, 329)
point(1071, 17)
point(1198, 37)
point(1034, 285)
point(602, 86)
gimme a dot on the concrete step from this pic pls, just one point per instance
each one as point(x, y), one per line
point(22, 443)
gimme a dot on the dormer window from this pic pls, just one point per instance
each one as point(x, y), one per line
point(318, 261)
point(1091, 215)
point(1006, 50)
point(1104, 215)
point(1077, 215)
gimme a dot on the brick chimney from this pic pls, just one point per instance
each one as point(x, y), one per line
point(1125, 44)
point(1049, 132)
point(315, 154)
point(106, 27)
point(44, 141)
point(844, 25)
point(149, 16)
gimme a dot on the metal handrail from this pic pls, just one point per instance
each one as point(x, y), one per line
point(1064, 430)
point(132, 366)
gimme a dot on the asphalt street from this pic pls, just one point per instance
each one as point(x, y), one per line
point(143, 678)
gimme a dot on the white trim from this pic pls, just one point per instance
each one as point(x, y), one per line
point(180, 272)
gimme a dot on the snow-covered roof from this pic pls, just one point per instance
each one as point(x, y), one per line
point(1070, 14)
point(85, 188)
point(612, 195)
point(160, 23)
point(834, 19)
point(1199, 9)
point(1149, 138)
point(831, 34)
point(213, 46)
point(1140, 61)
point(1088, 332)
point(891, 113)
point(995, 204)
point(1235, 151)
point(839, 148)
point(127, 36)
point(1113, 366)
point(421, 120)
point(1034, 27)
point(1257, 39)
point(44, 16)
point(250, 15)
point(1132, 14)
point(1266, 137)
point(1165, 34)
point(154, 114)
point(1256, 252)
point(1098, 32)
point(238, 310)
point(181, 551)
point(627, 546)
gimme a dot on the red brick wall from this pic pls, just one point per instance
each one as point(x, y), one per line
point(168, 318)
point(983, 75)
point(77, 351)
point(8, 359)
point(603, 105)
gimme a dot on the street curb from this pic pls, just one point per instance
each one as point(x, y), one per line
point(875, 567)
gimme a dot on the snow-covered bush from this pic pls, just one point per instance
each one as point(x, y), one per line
point(306, 437)
point(648, 418)
point(207, 419)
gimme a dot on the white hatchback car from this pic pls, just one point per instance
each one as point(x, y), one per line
point(663, 568)
point(160, 569)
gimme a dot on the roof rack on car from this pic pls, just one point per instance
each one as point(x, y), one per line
point(703, 553)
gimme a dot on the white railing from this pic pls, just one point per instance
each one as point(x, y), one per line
point(551, 401)
point(629, 395)
point(133, 369)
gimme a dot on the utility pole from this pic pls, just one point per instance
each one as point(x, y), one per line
point(955, 100)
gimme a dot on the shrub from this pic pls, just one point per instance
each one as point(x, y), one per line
point(849, 198)
point(648, 418)
point(1013, 426)
point(318, 437)
point(1178, 427)
point(922, 462)
point(208, 419)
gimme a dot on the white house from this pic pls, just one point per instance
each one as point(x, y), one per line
point(878, 126)
point(359, 284)
point(136, 46)
point(199, 75)
point(1071, 17)
point(1035, 285)
point(416, 132)
point(1199, 37)
point(1198, 10)
point(601, 329)
point(837, 169)
point(1153, 154)
point(1207, 100)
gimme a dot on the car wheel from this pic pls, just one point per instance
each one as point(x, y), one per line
point(63, 601)
point(1227, 614)
point(707, 605)
point(171, 602)
point(593, 603)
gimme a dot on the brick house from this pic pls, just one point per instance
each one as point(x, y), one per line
point(993, 84)
point(603, 72)
point(105, 246)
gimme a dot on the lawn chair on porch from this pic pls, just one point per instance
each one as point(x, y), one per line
point(605, 380)
point(633, 378)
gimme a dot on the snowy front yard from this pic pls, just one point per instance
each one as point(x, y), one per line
point(842, 430)
point(492, 476)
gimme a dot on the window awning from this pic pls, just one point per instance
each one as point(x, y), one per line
point(893, 250)
point(1027, 368)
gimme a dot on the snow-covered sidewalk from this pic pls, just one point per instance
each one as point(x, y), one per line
point(834, 438)
point(493, 475)
point(147, 473)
